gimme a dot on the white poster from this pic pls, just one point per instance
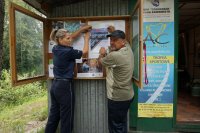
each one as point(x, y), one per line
point(51, 75)
point(79, 44)
point(51, 45)
point(98, 37)
point(89, 68)
point(118, 24)
point(158, 11)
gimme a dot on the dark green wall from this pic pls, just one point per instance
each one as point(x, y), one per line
point(133, 108)
point(176, 19)
point(131, 5)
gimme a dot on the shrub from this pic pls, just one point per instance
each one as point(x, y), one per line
point(17, 95)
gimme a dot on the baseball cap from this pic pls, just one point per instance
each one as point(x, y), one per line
point(117, 34)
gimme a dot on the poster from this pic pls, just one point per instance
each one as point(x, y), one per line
point(158, 11)
point(156, 97)
point(158, 71)
point(79, 44)
point(89, 68)
point(51, 45)
point(98, 39)
point(98, 35)
point(50, 67)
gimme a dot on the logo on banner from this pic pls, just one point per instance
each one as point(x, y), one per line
point(155, 3)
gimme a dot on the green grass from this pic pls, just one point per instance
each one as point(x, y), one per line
point(22, 108)
point(15, 118)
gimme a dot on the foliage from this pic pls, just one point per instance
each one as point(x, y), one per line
point(6, 52)
point(20, 105)
point(2, 13)
point(30, 36)
point(10, 96)
point(29, 48)
point(29, 115)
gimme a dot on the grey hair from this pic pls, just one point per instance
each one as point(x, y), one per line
point(56, 34)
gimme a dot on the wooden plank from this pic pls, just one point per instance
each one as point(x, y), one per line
point(12, 44)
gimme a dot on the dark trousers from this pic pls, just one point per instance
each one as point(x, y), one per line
point(117, 115)
point(62, 107)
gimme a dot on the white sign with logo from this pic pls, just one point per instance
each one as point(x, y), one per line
point(158, 11)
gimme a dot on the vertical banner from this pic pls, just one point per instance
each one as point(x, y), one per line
point(156, 97)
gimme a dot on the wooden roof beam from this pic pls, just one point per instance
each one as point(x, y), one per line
point(41, 7)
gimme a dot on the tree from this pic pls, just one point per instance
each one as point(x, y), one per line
point(29, 39)
point(2, 14)
point(27, 42)
point(6, 52)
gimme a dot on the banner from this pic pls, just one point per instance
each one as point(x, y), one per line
point(156, 97)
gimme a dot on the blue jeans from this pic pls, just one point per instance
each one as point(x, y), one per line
point(62, 106)
point(117, 115)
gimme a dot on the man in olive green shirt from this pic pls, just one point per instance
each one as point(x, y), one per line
point(119, 66)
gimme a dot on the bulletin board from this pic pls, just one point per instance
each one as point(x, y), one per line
point(44, 69)
point(88, 67)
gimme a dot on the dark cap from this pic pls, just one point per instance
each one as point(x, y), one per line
point(117, 34)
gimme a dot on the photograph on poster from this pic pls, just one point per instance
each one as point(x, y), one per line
point(51, 44)
point(58, 25)
point(89, 68)
point(72, 26)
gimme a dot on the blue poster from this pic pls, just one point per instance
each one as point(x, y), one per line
point(155, 99)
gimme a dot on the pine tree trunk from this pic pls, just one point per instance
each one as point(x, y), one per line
point(2, 14)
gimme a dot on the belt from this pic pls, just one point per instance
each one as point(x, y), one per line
point(63, 79)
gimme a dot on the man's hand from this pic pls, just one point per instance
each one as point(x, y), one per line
point(102, 51)
point(111, 29)
point(86, 28)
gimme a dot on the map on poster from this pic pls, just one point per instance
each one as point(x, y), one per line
point(98, 39)
point(98, 35)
